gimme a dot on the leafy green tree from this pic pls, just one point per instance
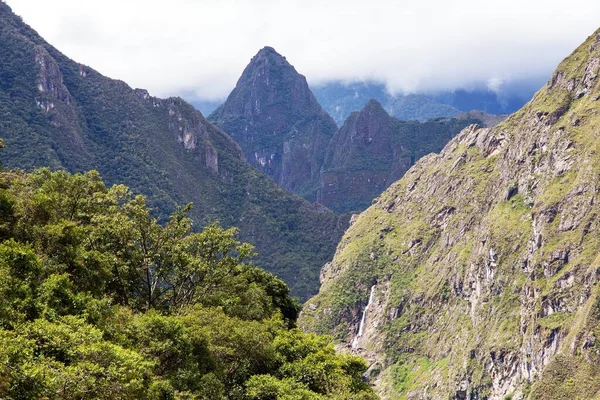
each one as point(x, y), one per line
point(99, 300)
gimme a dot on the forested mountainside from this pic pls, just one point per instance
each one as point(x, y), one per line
point(372, 150)
point(57, 113)
point(476, 275)
point(99, 301)
point(278, 123)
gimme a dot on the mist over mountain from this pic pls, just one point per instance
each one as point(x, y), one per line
point(284, 132)
point(341, 99)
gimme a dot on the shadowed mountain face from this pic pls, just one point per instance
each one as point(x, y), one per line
point(278, 123)
point(477, 275)
point(55, 112)
point(372, 150)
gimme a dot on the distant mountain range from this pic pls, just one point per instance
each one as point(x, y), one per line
point(341, 99)
point(283, 131)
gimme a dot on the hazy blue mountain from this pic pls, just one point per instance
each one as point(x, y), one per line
point(488, 100)
point(341, 99)
point(206, 107)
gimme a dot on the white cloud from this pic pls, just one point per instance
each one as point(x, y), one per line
point(201, 46)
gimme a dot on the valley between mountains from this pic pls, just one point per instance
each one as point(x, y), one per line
point(298, 243)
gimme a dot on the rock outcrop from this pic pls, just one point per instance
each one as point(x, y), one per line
point(484, 258)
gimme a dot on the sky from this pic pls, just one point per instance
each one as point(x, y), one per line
point(199, 48)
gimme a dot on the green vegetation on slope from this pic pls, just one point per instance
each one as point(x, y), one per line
point(98, 300)
point(59, 114)
point(484, 258)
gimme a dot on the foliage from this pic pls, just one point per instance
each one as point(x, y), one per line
point(100, 300)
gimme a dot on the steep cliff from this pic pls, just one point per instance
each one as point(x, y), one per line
point(480, 266)
point(372, 150)
point(278, 123)
point(57, 113)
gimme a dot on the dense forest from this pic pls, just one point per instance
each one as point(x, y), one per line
point(99, 300)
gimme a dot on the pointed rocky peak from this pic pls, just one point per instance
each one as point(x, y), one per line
point(268, 53)
point(373, 106)
point(373, 110)
point(268, 68)
point(270, 88)
point(278, 123)
point(268, 50)
point(369, 122)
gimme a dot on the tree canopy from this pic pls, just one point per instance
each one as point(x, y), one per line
point(99, 300)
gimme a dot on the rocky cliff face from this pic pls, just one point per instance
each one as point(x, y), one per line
point(483, 260)
point(57, 113)
point(372, 150)
point(277, 121)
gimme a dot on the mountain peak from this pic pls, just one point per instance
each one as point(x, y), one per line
point(268, 57)
point(373, 106)
point(268, 50)
point(277, 121)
